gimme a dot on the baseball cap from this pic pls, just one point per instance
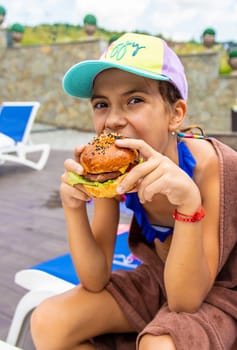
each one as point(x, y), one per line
point(140, 54)
point(2, 11)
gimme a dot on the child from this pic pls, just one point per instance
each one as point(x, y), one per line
point(183, 295)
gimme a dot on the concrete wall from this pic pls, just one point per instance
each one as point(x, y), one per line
point(35, 73)
point(210, 95)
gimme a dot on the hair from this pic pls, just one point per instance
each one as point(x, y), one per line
point(170, 94)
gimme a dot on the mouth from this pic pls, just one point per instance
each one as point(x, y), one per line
point(110, 131)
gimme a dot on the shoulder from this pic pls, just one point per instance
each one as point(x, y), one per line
point(212, 152)
point(207, 169)
point(204, 153)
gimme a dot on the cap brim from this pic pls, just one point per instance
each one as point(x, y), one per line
point(78, 81)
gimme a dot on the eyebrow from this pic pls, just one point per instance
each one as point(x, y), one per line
point(127, 93)
point(93, 97)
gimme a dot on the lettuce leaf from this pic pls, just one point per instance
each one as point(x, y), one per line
point(75, 179)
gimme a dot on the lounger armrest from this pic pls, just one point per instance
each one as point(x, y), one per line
point(32, 279)
point(6, 141)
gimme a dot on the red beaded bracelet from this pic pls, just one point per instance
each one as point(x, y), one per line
point(199, 215)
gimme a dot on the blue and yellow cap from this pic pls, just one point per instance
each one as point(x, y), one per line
point(140, 54)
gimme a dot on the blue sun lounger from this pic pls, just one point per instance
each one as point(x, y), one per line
point(56, 276)
point(16, 121)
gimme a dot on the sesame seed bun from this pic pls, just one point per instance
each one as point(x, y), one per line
point(103, 156)
point(105, 165)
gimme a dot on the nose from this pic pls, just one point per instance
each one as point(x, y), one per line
point(115, 121)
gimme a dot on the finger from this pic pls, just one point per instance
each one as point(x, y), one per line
point(146, 193)
point(156, 181)
point(136, 175)
point(78, 187)
point(151, 185)
point(72, 165)
point(155, 168)
point(71, 192)
point(64, 177)
point(77, 151)
point(133, 190)
point(145, 150)
point(144, 188)
point(81, 188)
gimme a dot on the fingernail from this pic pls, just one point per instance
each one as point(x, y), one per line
point(79, 170)
point(119, 141)
point(120, 189)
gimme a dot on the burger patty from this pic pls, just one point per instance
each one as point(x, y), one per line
point(103, 176)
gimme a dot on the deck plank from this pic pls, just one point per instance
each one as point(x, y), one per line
point(32, 225)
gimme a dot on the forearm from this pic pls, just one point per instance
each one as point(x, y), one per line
point(89, 260)
point(187, 275)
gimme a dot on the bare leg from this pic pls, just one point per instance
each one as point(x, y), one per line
point(152, 342)
point(65, 321)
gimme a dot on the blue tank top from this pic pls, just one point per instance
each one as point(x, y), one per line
point(186, 163)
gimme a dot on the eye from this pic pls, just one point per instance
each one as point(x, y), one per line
point(135, 100)
point(99, 105)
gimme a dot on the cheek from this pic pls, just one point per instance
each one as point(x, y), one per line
point(154, 134)
point(98, 125)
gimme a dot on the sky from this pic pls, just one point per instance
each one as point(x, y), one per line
point(180, 20)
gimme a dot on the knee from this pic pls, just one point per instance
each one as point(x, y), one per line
point(46, 329)
point(153, 342)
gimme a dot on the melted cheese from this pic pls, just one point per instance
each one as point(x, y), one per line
point(123, 169)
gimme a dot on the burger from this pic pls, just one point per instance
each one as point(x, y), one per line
point(105, 165)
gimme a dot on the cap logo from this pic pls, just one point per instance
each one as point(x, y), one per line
point(122, 49)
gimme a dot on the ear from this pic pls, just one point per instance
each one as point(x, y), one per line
point(178, 115)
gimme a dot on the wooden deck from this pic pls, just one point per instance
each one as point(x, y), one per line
point(32, 226)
